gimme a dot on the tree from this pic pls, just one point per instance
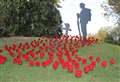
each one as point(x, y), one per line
point(102, 34)
point(112, 8)
point(30, 17)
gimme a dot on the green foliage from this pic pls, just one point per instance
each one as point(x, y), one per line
point(114, 36)
point(32, 17)
point(112, 9)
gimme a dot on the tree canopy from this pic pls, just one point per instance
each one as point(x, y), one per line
point(114, 5)
point(29, 17)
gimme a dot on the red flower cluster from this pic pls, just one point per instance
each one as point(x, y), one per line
point(2, 59)
point(65, 48)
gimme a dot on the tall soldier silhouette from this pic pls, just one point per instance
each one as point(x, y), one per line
point(84, 16)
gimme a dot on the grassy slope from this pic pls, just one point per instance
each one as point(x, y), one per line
point(16, 73)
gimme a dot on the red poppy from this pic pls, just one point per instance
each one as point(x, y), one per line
point(77, 66)
point(11, 53)
point(37, 63)
point(14, 46)
point(20, 45)
point(26, 57)
point(69, 57)
point(73, 53)
point(112, 61)
point(84, 61)
point(38, 51)
point(46, 63)
point(1, 50)
point(78, 58)
point(98, 59)
point(78, 73)
point(63, 63)
point(92, 65)
point(33, 54)
point(51, 55)
point(18, 52)
point(42, 55)
point(104, 63)
point(91, 57)
point(31, 63)
point(86, 69)
point(15, 61)
point(26, 45)
point(2, 59)
point(19, 60)
point(55, 65)
point(69, 67)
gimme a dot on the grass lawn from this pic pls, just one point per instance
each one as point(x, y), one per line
point(10, 72)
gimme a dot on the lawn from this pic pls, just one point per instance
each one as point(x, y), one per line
point(10, 72)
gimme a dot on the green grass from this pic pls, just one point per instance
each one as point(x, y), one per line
point(10, 72)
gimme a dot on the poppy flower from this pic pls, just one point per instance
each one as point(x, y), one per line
point(26, 45)
point(14, 61)
point(86, 69)
point(38, 51)
point(33, 55)
point(14, 46)
point(1, 50)
point(98, 59)
point(31, 63)
point(2, 59)
point(84, 61)
point(20, 45)
point(69, 67)
point(55, 65)
point(104, 64)
point(78, 58)
point(42, 55)
point(46, 63)
point(78, 73)
point(69, 57)
point(91, 57)
point(50, 54)
point(77, 66)
point(37, 63)
point(26, 57)
point(112, 61)
point(92, 65)
point(19, 60)
point(11, 53)
point(73, 53)
point(18, 52)
point(63, 63)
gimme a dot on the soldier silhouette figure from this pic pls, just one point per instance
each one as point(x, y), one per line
point(84, 16)
point(67, 28)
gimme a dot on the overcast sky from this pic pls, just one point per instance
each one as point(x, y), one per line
point(71, 7)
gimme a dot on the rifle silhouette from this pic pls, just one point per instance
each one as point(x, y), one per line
point(78, 23)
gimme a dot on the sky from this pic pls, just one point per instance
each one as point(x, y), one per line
point(71, 7)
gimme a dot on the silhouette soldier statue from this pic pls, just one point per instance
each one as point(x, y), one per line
point(67, 28)
point(84, 17)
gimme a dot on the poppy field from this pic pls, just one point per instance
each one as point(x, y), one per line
point(65, 59)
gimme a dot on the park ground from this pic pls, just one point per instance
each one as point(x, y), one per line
point(10, 72)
